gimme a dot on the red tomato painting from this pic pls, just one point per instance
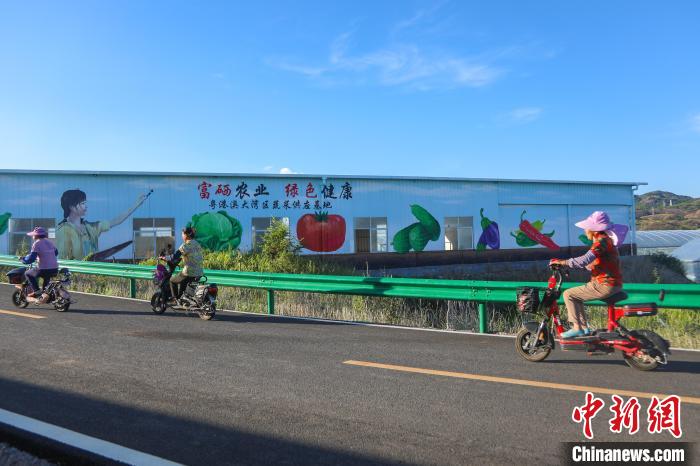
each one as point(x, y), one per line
point(321, 232)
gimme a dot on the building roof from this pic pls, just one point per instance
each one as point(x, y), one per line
point(689, 252)
point(665, 238)
point(304, 175)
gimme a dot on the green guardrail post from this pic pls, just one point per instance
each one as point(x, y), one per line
point(270, 302)
point(132, 287)
point(483, 319)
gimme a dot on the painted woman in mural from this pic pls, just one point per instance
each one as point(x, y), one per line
point(77, 238)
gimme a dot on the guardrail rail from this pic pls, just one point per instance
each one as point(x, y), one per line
point(480, 292)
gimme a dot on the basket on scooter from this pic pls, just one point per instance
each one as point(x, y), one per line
point(201, 291)
point(528, 299)
point(16, 276)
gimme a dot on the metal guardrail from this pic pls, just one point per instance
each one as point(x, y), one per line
point(481, 292)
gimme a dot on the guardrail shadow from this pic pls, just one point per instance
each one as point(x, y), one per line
point(673, 366)
point(221, 316)
point(170, 437)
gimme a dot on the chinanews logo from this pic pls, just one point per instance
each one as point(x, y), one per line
point(661, 415)
point(630, 416)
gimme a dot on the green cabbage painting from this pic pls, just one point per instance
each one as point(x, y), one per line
point(216, 231)
point(4, 220)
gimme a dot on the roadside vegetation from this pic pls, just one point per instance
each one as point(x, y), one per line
point(278, 253)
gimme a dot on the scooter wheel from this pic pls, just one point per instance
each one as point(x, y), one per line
point(641, 360)
point(158, 304)
point(62, 305)
point(642, 363)
point(208, 312)
point(522, 339)
point(19, 300)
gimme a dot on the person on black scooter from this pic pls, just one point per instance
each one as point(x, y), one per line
point(191, 254)
point(46, 253)
point(603, 260)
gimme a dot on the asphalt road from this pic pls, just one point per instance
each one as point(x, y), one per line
point(248, 389)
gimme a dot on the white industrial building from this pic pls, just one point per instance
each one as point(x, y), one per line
point(329, 213)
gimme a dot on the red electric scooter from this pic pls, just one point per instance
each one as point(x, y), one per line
point(641, 349)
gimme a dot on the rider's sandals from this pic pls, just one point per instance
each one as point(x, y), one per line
point(572, 334)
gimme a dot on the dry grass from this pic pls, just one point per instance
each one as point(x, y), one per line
point(681, 327)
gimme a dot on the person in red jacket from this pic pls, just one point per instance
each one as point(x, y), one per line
point(603, 260)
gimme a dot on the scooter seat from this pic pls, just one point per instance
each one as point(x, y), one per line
point(616, 298)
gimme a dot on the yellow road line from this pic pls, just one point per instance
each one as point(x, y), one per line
point(22, 314)
point(530, 383)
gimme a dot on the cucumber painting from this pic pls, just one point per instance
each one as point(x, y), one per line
point(417, 235)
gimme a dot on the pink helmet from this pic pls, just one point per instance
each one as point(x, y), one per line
point(38, 231)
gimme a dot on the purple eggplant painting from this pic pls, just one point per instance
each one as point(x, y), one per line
point(490, 237)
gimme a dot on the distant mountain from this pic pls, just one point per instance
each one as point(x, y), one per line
point(662, 210)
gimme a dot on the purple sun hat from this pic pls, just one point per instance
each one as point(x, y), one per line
point(600, 221)
point(597, 221)
point(38, 231)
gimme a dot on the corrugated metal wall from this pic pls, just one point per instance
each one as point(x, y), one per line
point(559, 205)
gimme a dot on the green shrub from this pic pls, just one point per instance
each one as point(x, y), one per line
point(277, 253)
point(670, 262)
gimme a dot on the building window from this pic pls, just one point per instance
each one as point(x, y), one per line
point(371, 234)
point(459, 233)
point(260, 226)
point(153, 236)
point(18, 228)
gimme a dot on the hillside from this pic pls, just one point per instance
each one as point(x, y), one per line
point(662, 210)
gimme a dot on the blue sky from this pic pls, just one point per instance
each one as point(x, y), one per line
point(546, 90)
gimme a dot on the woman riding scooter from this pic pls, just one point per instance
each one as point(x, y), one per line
point(191, 254)
point(45, 252)
point(603, 261)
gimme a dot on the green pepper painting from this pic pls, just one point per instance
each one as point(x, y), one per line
point(4, 220)
point(584, 239)
point(530, 234)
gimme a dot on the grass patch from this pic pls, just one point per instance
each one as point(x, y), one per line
point(280, 254)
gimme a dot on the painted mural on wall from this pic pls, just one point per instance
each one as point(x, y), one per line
point(321, 232)
point(216, 231)
point(294, 196)
point(417, 235)
point(118, 217)
point(4, 220)
point(77, 238)
point(490, 236)
point(530, 234)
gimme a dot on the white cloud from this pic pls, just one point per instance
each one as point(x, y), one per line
point(399, 64)
point(268, 168)
point(525, 114)
point(419, 18)
point(695, 122)
point(287, 171)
